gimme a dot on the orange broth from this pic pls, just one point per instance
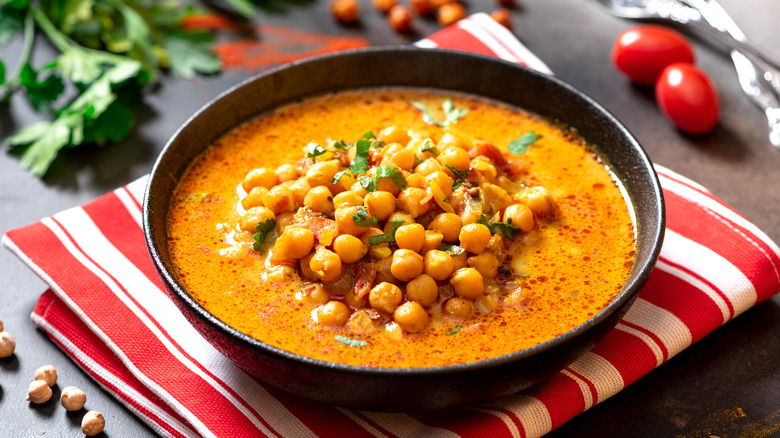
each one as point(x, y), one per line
point(570, 268)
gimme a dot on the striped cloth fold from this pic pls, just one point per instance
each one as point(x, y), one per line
point(107, 309)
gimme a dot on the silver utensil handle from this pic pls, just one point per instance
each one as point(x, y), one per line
point(760, 92)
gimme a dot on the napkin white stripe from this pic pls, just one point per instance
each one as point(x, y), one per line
point(599, 371)
point(359, 420)
point(487, 39)
point(404, 425)
point(113, 384)
point(508, 40)
point(153, 385)
point(647, 339)
point(673, 333)
point(587, 395)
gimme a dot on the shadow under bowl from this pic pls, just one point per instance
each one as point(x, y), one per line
point(389, 389)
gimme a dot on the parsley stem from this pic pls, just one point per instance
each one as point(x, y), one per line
point(24, 58)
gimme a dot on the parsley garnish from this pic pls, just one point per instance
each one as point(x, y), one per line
point(428, 146)
point(360, 163)
point(338, 176)
point(377, 145)
point(506, 230)
point(389, 237)
point(369, 136)
point(451, 249)
point(460, 177)
point(520, 145)
point(351, 342)
point(393, 173)
point(341, 145)
point(454, 331)
point(451, 114)
point(317, 151)
point(368, 183)
point(361, 218)
point(263, 229)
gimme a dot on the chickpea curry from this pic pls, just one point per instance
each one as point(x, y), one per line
point(401, 228)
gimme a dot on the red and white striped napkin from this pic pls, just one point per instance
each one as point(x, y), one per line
point(108, 311)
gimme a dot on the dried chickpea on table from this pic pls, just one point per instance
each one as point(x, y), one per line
point(407, 234)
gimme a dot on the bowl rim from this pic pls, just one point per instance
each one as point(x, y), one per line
point(628, 292)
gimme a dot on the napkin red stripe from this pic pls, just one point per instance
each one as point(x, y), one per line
point(594, 394)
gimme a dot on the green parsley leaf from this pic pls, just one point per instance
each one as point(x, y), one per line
point(2, 73)
point(338, 176)
point(111, 126)
point(40, 93)
point(389, 237)
point(451, 249)
point(428, 146)
point(369, 135)
point(351, 342)
point(11, 22)
point(341, 145)
point(392, 172)
point(190, 53)
point(263, 228)
point(368, 183)
point(377, 145)
point(451, 114)
point(317, 151)
point(520, 145)
point(507, 230)
point(78, 66)
point(454, 331)
point(460, 177)
point(243, 7)
point(361, 218)
point(360, 163)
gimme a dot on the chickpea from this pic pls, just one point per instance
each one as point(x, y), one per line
point(458, 308)
point(387, 185)
point(313, 294)
point(411, 237)
point(384, 6)
point(319, 199)
point(451, 13)
point(423, 7)
point(448, 224)
point(411, 317)
point(364, 321)
point(93, 423)
point(486, 264)
point(441, 179)
point(279, 199)
point(397, 215)
point(411, 199)
point(502, 17)
point(538, 199)
point(474, 238)
point(416, 180)
point(379, 204)
point(393, 134)
point(295, 242)
point(47, 373)
point(347, 199)
point(299, 188)
point(438, 264)
point(520, 216)
point(468, 283)
point(7, 345)
point(383, 272)
point(260, 177)
point(38, 392)
point(254, 216)
point(460, 261)
point(333, 313)
point(423, 290)
point(394, 332)
point(406, 265)
point(487, 303)
point(349, 248)
point(451, 139)
point(436, 4)
point(359, 189)
point(345, 11)
point(432, 240)
point(254, 198)
point(286, 172)
point(398, 156)
point(455, 157)
point(281, 274)
point(427, 167)
point(322, 173)
point(345, 222)
point(400, 18)
point(72, 398)
point(385, 297)
point(325, 264)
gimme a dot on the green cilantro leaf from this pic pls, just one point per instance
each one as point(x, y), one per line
point(351, 342)
point(389, 237)
point(361, 218)
point(78, 66)
point(507, 230)
point(2, 73)
point(40, 93)
point(454, 331)
point(369, 135)
point(317, 151)
point(341, 145)
point(460, 177)
point(190, 53)
point(368, 183)
point(360, 163)
point(392, 172)
point(11, 22)
point(451, 114)
point(263, 228)
point(428, 146)
point(451, 249)
point(338, 176)
point(520, 145)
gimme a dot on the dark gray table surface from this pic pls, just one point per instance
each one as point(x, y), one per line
point(726, 385)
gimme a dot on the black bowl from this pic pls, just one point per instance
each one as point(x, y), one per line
point(387, 389)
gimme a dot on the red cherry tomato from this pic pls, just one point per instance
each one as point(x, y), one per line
point(644, 51)
point(688, 98)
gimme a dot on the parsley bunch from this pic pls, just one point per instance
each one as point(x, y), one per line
point(108, 48)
